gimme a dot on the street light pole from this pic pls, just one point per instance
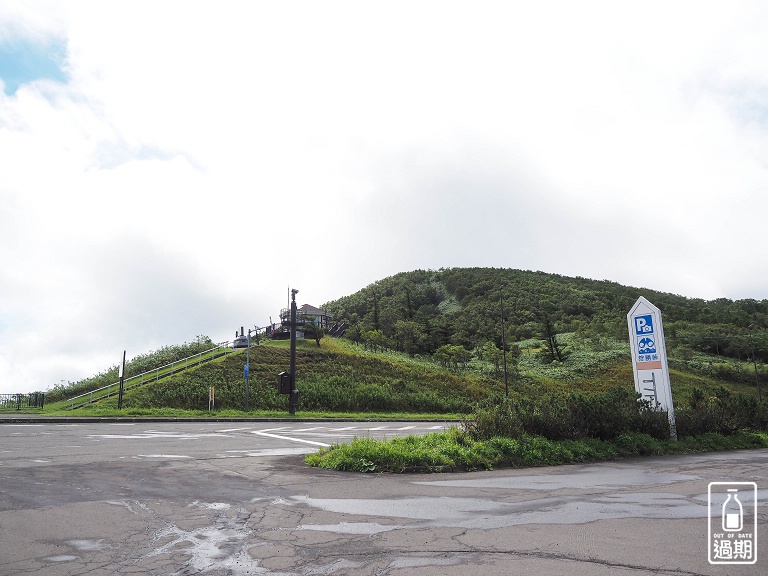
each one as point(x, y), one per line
point(293, 400)
point(247, 369)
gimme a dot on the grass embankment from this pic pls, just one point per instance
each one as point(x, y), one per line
point(337, 378)
point(455, 450)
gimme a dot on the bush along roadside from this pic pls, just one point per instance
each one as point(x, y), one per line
point(559, 429)
point(455, 450)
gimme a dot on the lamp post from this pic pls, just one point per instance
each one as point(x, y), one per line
point(294, 396)
point(247, 369)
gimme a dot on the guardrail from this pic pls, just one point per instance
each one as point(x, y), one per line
point(175, 367)
point(19, 401)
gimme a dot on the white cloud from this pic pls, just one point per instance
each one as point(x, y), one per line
point(212, 155)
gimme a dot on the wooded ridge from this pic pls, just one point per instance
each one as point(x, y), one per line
point(421, 311)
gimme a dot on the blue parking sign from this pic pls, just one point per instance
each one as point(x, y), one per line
point(644, 324)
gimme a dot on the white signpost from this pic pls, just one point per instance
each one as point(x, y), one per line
point(649, 358)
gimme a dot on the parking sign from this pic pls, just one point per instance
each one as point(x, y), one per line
point(649, 357)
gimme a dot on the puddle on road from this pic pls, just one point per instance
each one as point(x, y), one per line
point(87, 545)
point(362, 528)
point(167, 456)
point(269, 452)
point(488, 514)
point(62, 558)
point(587, 479)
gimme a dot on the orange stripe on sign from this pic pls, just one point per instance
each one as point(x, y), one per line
point(649, 365)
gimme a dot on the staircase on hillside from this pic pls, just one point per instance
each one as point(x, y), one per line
point(155, 375)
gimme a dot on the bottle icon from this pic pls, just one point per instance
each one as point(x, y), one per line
point(733, 513)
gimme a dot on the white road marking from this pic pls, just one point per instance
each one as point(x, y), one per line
point(279, 437)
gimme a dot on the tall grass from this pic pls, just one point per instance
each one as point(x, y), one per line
point(334, 377)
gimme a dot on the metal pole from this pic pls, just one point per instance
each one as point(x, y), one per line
point(504, 344)
point(122, 377)
point(247, 368)
point(754, 363)
point(294, 392)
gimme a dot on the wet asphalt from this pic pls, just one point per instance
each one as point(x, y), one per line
point(235, 498)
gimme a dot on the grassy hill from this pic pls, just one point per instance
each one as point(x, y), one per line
point(429, 342)
point(338, 376)
point(421, 311)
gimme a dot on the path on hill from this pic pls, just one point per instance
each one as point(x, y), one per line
point(236, 499)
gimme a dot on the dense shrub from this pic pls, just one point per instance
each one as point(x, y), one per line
point(614, 413)
point(724, 413)
point(577, 415)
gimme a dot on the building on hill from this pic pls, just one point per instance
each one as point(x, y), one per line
point(306, 315)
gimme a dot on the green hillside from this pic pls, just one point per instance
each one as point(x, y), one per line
point(338, 376)
point(421, 311)
point(430, 342)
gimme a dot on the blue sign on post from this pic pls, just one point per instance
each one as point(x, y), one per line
point(644, 324)
point(245, 372)
point(649, 358)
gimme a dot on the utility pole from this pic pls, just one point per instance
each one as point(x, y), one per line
point(754, 364)
point(122, 380)
point(504, 344)
point(294, 397)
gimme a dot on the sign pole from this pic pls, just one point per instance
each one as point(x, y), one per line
point(649, 358)
point(122, 379)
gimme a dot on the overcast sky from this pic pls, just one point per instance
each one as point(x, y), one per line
point(168, 169)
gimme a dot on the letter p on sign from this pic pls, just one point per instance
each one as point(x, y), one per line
point(644, 324)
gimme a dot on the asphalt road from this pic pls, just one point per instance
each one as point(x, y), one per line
point(236, 499)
